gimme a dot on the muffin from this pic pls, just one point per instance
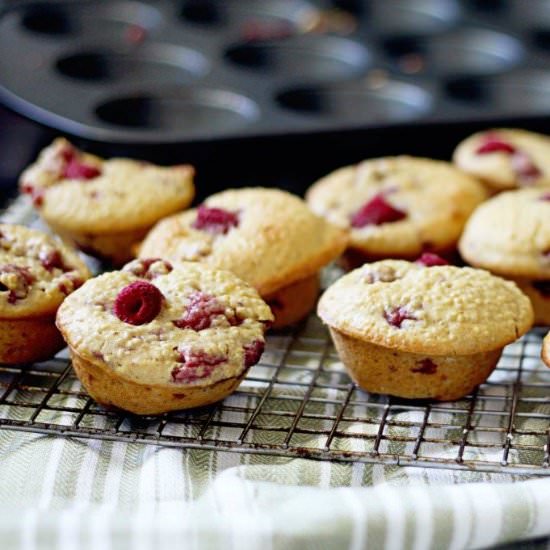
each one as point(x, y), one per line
point(545, 351)
point(103, 206)
point(267, 237)
point(397, 206)
point(36, 274)
point(510, 236)
point(413, 331)
point(505, 158)
point(150, 339)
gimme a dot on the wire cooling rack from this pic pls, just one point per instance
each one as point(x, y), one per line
point(299, 402)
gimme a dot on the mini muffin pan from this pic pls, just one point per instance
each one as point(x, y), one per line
point(175, 71)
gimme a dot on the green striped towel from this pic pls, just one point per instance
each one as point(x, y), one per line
point(69, 493)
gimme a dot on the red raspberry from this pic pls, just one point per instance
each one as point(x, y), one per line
point(430, 259)
point(37, 195)
point(215, 220)
point(76, 170)
point(24, 279)
point(51, 259)
point(138, 303)
point(201, 310)
point(524, 167)
point(192, 361)
point(493, 144)
point(376, 212)
point(397, 315)
point(425, 366)
point(253, 352)
point(545, 197)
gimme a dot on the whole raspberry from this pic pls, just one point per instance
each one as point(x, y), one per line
point(376, 212)
point(429, 259)
point(215, 220)
point(395, 316)
point(253, 352)
point(196, 365)
point(200, 312)
point(138, 303)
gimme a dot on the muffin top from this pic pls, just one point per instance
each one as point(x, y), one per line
point(81, 192)
point(153, 324)
point(510, 234)
point(397, 206)
point(267, 237)
point(440, 310)
point(36, 272)
point(506, 158)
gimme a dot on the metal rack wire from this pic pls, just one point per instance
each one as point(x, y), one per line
point(299, 402)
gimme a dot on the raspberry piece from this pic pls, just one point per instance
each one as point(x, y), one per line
point(522, 164)
point(524, 167)
point(397, 315)
point(545, 197)
point(196, 365)
point(76, 170)
point(138, 303)
point(494, 144)
point(201, 310)
point(253, 352)
point(376, 212)
point(19, 286)
point(425, 366)
point(51, 259)
point(215, 220)
point(143, 268)
point(37, 195)
point(429, 259)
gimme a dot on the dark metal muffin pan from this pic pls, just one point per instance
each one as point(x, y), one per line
point(163, 71)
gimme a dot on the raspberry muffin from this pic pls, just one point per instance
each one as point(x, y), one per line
point(103, 206)
point(545, 352)
point(505, 158)
point(418, 331)
point(397, 206)
point(510, 236)
point(267, 237)
point(36, 274)
point(150, 339)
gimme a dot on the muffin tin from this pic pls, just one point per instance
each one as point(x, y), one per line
point(130, 71)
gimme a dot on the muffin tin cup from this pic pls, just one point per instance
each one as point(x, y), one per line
point(131, 71)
